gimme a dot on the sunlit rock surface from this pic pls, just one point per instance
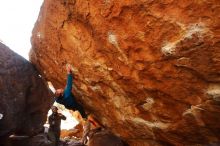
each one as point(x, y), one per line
point(24, 98)
point(149, 70)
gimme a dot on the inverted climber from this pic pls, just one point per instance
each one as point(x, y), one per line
point(66, 98)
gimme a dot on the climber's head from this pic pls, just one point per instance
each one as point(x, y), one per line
point(59, 92)
point(54, 109)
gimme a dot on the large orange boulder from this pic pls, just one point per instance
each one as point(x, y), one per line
point(149, 70)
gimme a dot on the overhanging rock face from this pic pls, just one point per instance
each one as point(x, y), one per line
point(24, 97)
point(149, 70)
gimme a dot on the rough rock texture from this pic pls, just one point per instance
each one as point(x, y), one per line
point(149, 70)
point(76, 132)
point(24, 98)
point(37, 140)
point(104, 138)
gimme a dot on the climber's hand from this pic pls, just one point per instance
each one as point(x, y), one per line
point(68, 69)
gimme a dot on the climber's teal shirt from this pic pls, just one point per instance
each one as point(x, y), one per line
point(68, 99)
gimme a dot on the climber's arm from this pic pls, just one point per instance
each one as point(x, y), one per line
point(68, 89)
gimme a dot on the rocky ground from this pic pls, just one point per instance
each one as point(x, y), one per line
point(96, 137)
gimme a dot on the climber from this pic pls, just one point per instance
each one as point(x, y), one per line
point(54, 121)
point(66, 98)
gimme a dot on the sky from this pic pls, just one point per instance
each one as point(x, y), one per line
point(17, 19)
point(67, 124)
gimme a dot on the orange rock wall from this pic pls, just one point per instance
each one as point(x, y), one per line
point(148, 69)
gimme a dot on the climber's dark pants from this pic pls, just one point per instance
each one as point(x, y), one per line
point(79, 108)
point(81, 111)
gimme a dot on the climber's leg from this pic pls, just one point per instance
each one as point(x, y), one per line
point(94, 122)
point(86, 129)
point(81, 111)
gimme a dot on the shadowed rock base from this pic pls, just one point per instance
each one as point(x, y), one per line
point(99, 137)
point(24, 97)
